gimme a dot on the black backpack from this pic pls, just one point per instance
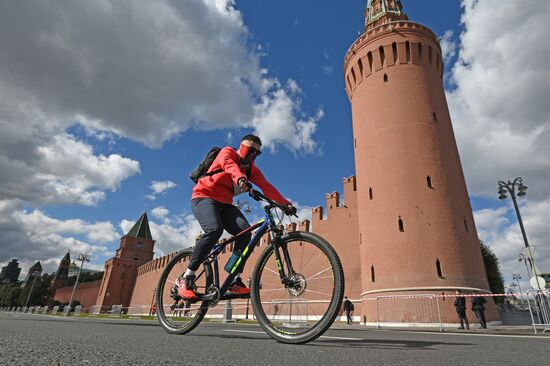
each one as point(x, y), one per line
point(202, 169)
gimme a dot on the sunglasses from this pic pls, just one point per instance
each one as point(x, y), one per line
point(253, 150)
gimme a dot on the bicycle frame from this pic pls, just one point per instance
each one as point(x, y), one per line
point(265, 225)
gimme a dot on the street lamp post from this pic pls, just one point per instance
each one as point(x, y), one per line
point(510, 187)
point(244, 205)
point(247, 300)
point(82, 258)
point(517, 277)
point(34, 274)
point(152, 302)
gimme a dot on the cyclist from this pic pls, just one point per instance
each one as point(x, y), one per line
point(211, 203)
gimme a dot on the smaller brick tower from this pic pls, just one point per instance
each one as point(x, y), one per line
point(136, 249)
point(61, 276)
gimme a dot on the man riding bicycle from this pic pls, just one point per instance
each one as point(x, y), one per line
point(211, 203)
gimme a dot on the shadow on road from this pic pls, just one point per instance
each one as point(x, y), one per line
point(383, 344)
point(336, 343)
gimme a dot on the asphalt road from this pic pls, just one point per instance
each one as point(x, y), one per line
point(46, 340)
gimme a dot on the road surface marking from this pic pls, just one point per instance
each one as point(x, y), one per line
point(479, 335)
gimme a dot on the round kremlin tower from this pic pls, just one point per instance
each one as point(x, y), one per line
point(417, 231)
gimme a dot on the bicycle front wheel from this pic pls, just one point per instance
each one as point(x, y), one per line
point(176, 315)
point(305, 307)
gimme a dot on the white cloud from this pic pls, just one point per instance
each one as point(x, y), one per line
point(501, 118)
point(33, 236)
point(160, 187)
point(275, 123)
point(448, 46)
point(143, 70)
point(160, 212)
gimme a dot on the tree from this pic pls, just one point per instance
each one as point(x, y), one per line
point(10, 294)
point(492, 268)
point(85, 277)
point(40, 292)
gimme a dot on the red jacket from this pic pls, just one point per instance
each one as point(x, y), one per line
point(221, 186)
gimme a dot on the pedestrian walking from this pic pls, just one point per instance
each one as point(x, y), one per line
point(460, 306)
point(478, 307)
point(348, 308)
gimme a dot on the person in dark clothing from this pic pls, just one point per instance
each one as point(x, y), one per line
point(478, 307)
point(460, 306)
point(348, 308)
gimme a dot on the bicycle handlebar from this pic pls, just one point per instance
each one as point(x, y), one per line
point(259, 196)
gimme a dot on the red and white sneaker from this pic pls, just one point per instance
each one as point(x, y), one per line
point(186, 287)
point(238, 288)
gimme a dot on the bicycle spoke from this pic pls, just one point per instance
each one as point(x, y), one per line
point(318, 273)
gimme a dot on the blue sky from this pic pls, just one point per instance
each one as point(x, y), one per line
point(131, 95)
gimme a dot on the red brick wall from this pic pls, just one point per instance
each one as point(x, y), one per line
point(86, 293)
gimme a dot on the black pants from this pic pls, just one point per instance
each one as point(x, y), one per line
point(214, 217)
point(463, 318)
point(480, 315)
point(349, 318)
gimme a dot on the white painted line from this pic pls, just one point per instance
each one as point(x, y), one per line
point(482, 335)
point(344, 338)
point(325, 337)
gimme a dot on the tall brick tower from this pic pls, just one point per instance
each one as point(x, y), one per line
point(136, 249)
point(417, 232)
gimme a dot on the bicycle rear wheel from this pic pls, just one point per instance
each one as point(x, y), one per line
point(176, 315)
point(305, 308)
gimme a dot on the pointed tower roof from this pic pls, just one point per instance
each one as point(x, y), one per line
point(63, 269)
point(141, 228)
point(383, 11)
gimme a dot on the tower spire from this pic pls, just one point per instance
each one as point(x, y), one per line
point(141, 228)
point(383, 11)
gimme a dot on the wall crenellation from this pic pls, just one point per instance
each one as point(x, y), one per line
point(381, 57)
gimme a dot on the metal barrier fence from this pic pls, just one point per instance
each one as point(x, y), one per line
point(414, 310)
point(539, 309)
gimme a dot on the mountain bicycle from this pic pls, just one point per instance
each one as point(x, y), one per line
point(297, 284)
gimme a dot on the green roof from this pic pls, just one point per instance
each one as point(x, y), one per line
point(141, 228)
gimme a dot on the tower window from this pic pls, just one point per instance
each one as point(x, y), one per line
point(370, 193)
point(360, 63)
point(369, 57)
point(408, 51)
point(438, 268)
point(401, 225)
point(466, 225)
point(420, 51)
point(349, 82)
point(355, 143)
point(394, 49)
point(386, 78)
point(140, 245)
point(372, 277)
point(430, 54)
point(382, 55)
point(354, 77)
point(429, 182)
point(434, 117)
